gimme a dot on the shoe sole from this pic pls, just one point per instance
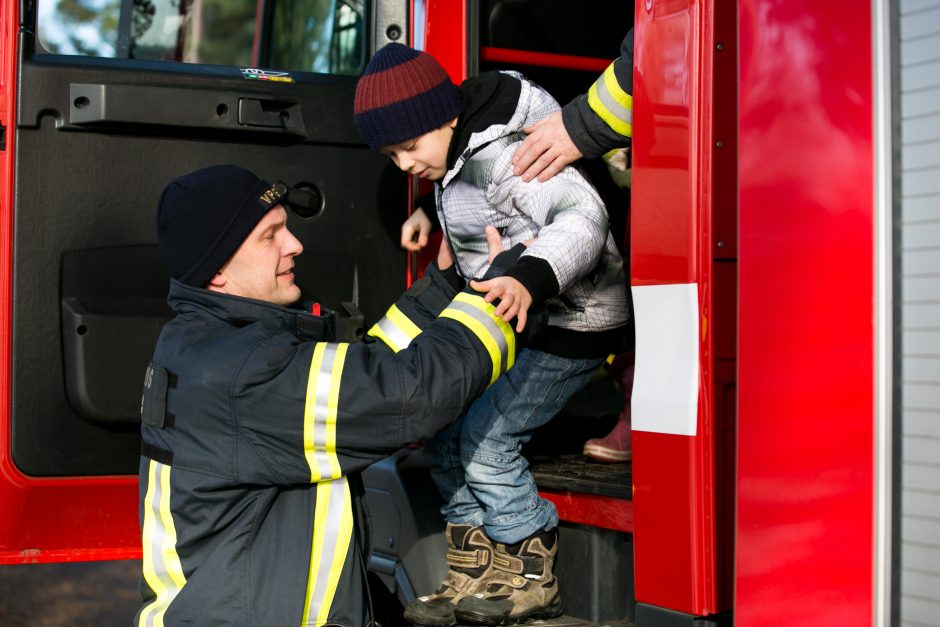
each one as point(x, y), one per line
point(600, 454)
point(553, 610)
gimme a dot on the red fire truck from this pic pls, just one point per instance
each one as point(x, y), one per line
point(764, 237)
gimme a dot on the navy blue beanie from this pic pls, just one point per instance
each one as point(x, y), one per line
point(403, 94)
point(204, 216)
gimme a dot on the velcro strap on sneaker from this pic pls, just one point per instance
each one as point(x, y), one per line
point(458, 582)
point(518, 565)
point(467, 559)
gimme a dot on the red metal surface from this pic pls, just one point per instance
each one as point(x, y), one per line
point(590, 509)
point(673, 475)
point(44, 520)
point(445, 28)
point(446, 36)
point(543, 59)
point(806, 367)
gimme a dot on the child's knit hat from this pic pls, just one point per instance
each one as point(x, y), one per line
point(403, 94)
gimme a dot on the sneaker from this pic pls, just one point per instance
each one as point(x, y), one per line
point(522, 586)
point(470, 564)
point(616, 446)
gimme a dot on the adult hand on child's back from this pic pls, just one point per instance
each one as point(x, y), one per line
point(546, 150)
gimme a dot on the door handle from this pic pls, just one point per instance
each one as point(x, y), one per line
point(271, 113)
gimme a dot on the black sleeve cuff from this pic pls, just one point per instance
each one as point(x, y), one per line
point(428, 296)
point(450, 276)
point(537, 276)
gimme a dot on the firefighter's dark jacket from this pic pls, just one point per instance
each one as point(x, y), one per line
point(255, 429)
point(602, 119)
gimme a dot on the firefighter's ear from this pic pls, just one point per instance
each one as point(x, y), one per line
point(217, 281)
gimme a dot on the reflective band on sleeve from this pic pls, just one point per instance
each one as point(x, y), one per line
point(332, 535)
point(609, 101)
point(496, 335)
point(326, 370)
point(395, 329)
point(163, 572)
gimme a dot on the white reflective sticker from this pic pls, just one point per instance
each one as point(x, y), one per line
point(666, 379)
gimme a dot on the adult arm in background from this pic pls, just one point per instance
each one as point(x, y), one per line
point(589, 126)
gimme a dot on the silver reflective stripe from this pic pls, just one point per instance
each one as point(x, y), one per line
point(610, 103)
point(332, 538)
point(163, 572)
point(490, 325)
point(395, 334)
point(321, 453)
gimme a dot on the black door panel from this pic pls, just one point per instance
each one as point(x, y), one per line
point(88, 287)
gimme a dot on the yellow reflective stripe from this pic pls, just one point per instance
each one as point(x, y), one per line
point(403, 322)
point(376, 331)
point(495, 334)
point(395, 329)
point(504, 328)
point(320, 409)
point(332, 536)
point(609, 101)
point(163, 571)
point(478, 330)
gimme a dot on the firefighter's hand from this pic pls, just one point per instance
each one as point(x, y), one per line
point(415, 231)
point(444, 257)
point(493, 241)
point(546, 150)
point(514, 298)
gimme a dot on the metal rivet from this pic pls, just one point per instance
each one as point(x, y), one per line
point(719, 144)
point(721, 244)
point(720, 46)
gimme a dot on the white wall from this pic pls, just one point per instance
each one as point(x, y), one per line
point(920, 215)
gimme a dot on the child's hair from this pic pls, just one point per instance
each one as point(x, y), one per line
point(403, 94)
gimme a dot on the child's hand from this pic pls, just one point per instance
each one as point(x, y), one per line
point(514, 298)
point(415, 231)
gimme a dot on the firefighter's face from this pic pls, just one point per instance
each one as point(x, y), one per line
point(263, 266)
point(424, 156)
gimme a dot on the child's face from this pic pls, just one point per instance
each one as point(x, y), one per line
point(426, 155)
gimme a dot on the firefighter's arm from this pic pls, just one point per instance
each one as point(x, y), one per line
point(311, 412)
point(315, 411)
point(430, 294)
point(602, 119)
point(417, 307)
point(589, 126)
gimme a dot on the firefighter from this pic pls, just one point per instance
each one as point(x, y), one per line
point(255, 425)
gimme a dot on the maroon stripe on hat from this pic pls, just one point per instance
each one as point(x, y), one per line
point(407, 80)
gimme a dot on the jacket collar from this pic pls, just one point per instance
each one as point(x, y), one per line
point(491, 108)
point(238, 311)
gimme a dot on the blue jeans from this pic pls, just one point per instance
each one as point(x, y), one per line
point(477, 462)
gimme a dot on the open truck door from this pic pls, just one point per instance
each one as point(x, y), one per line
point(101, 105)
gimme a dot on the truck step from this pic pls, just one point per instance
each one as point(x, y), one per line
point(576, 473)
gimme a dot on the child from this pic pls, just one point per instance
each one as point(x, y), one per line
point(502, 536)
